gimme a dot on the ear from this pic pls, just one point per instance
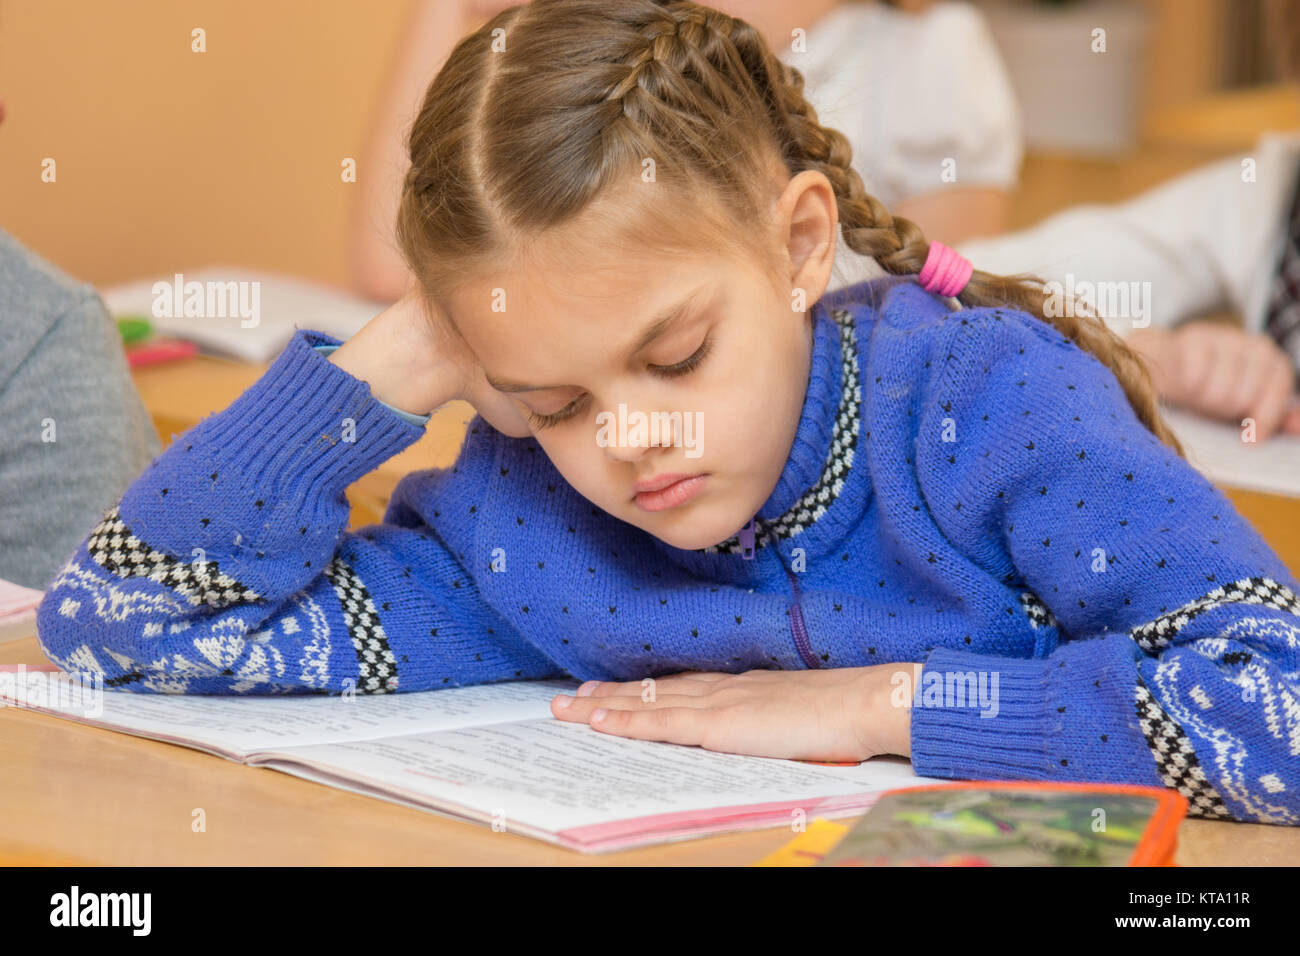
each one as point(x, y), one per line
point(507, 420)
point(501, 413)
point(808, 219)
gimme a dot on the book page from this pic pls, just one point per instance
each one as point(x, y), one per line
point(283, 304)
point(241, 726)
point(554, 775)
point(1216, 450)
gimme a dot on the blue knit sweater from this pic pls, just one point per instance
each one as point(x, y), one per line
point(966, 488)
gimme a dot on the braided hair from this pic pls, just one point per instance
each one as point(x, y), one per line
point(549, 111)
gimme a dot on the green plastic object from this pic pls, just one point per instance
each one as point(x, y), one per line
point(134, 328)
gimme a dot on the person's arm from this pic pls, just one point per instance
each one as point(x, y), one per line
point(1169, 632)
point(226, 567)
point(75, 435)
point(1158, 259)
point(955, 215)
point(435, 27)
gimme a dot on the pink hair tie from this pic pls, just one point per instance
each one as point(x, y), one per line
point(946, 271)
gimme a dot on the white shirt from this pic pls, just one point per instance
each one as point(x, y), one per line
point(911, 91)
point(1208, 240)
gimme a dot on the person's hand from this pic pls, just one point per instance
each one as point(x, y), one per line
point(1223, 372)
point(412, 359)
point(835, 714)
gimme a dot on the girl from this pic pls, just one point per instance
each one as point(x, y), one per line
point(964, 535)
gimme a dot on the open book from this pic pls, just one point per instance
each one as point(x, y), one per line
point(1216, 450)
point(490, 753)
point(18, 606)
point(253, 313)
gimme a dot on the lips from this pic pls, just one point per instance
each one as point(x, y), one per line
point(672, 494)
point(659, 482)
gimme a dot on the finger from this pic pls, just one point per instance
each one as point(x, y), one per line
point(687, 682)
point(1291, 423)
point(1226, 368)
point(674, 725)
point(581, 708)
point(1193, 367)
point(1269, 407)
point(1256, 373)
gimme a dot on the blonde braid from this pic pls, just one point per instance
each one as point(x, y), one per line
point(900, 248)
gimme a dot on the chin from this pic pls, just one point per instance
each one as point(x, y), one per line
point(690, 534)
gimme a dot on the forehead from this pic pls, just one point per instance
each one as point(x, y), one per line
point(569, 299)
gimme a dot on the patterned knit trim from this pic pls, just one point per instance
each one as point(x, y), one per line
point(1039, 614)
point(1156, 635)
point(112, 546)
point(376, 665)
point(844, 441)
point(1175, 758)
point(1174, 755)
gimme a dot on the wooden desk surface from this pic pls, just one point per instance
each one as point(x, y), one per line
point(77, 795)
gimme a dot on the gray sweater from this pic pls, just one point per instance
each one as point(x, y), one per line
point(73, 431)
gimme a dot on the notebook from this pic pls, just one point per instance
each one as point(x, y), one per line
point(1216, 450)
point(18, 606)
point(252, 321)
point(489, 753)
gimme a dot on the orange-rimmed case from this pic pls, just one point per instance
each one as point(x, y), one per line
point(929, 832)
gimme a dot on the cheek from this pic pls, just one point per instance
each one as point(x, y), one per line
point(579, 461)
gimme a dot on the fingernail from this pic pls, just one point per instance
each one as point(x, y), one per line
point(586, 689)
point(563, 702)
point(598, 713)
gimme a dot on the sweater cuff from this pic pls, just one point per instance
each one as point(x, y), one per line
point(316, 424)
point(278, 458)
point(411, 417)
point(1070, 716)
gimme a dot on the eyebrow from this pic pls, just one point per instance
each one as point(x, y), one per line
point(657, 327)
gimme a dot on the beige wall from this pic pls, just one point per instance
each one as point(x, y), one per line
point(172, 159)
point(1184, 59)
point(169, 159)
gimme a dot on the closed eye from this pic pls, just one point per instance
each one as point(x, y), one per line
point(663, 371)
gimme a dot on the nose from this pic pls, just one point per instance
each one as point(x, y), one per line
point(631, 436)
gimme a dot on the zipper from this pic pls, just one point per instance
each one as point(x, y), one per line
point(797, 628)
point(747, 534)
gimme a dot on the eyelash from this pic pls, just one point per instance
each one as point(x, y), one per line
point(668, 371)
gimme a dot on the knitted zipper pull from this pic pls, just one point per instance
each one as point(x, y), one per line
point(747, 540)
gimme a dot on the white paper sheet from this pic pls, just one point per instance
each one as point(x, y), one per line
point(243, 725)
point(554, 775)
point(1217, 451)
point(285, 303)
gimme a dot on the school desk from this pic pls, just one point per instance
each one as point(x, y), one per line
point(78, 795)
point(81, 795)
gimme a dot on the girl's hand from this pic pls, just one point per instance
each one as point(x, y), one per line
point(1223, 372)
point(412, 359)
point(837, 714)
